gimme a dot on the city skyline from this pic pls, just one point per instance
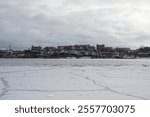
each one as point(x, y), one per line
point(77, 51)
point(11, 47)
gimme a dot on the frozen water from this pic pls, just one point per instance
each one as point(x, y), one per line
point(75, 79)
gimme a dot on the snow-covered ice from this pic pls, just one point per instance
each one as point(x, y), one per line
point(75, 79)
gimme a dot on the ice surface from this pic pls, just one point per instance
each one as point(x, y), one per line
point(75, 79)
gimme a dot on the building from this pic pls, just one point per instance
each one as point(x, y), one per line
point(106, 54)
point(36, 49)
point(108, 49)
point(28, 54)
point(142, 55)
point(3, 53)
point(100, 47)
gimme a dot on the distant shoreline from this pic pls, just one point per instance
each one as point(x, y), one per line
point(78, 52)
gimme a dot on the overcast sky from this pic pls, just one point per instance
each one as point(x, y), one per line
point(62, 22)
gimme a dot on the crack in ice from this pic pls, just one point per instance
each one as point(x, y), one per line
point(108, 88)
point(38, 90)
point(6, 86)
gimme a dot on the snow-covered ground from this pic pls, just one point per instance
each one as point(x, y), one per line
point(74, 79)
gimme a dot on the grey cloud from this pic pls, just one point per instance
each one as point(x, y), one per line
point(55, 22)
